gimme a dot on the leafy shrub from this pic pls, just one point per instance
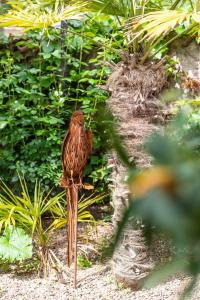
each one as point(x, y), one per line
point(36, 100)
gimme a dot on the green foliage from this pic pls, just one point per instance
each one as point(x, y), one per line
point(38, 215)
point(83, 262)
point(30, 212)
point(36, 101)
point(15, 245)
point(59, 211)
point(152, 25)
point(112, 140)
point(26, 211)
point(120, 8)
point(105, 248)
point(162, 25)
point(39, 14)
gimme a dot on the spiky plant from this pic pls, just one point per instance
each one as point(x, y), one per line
point(29, 213)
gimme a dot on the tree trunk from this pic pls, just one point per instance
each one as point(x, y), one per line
point(134, 89)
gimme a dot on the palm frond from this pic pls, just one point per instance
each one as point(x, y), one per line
point(119, 8)
point(28, 212)
point(158, 23)
point(35, 15)
point(59, 211)
point(127, 8)
point(24, 210)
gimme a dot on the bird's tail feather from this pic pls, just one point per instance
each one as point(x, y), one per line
point(72, 227)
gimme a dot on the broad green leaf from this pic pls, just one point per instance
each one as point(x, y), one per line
point(15, 244)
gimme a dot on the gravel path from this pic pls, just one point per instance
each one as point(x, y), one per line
point(96, 283)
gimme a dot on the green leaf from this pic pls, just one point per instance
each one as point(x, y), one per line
point(45, 81)
point(34, 71)
point(57, 53)
point(47, 47)
point(46, 55)
point(15, 244)
point(3, 124)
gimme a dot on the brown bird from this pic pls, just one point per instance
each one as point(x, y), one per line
point(76, 149)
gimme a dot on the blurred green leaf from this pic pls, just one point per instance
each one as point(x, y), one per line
point(163, 272)
point(162, 149)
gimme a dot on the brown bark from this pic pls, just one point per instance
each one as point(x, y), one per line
point(134, 89)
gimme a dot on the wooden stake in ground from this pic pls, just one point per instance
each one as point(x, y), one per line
point(76, 149)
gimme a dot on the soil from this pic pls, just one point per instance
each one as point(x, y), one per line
point(96, 282)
